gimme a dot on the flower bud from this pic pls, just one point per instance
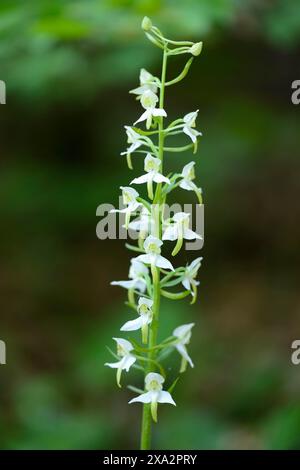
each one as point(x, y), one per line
point(196, 48)
point(146, 24)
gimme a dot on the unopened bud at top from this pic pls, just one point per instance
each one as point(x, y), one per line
point(196, 48)
point(146, 24)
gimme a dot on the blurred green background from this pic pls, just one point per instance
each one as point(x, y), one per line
point(68, 66)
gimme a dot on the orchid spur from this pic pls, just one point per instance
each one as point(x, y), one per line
point(152, 275)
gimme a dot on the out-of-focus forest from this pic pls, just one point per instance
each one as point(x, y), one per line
point(68, 66)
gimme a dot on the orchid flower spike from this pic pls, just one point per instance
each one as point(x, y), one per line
point(183, 334)
point(147, 83)
point(189, 125)
point(153, 257)
point(129, 196)
point(155, 394)
point(137, 273)
point(189, 281)
point(151, 166)
point(149, 101)
point(144, 309)
point(180, 230)
point(127, 359)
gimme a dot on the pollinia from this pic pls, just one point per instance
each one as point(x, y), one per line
point(151, 275)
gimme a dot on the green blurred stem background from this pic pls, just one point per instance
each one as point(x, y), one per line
point(68, 66)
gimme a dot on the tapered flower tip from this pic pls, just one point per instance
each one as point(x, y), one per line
point(196, 48)
point(188, 171)
point(183, 330)
point(146, 24)
point(195, 264)
point(125, 345)
point(190, 118)
point(145, 76)
point(127, 190)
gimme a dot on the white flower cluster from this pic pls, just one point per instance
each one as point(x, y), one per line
point(151, 273)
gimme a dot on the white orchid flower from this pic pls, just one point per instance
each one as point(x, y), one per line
point(144, 224)
point(133, 138)
point(129, 196)
point(180, 230)
point(147, 82)
point(183, 334)
point(188, 175)
point(155, 394)
point(137, 273)
point(153, 257)
point(149, 101)
point(127, 359)
point(189, 282)
point(144, 309)
point(151, 166)
point(187, 183)
point(189, 125)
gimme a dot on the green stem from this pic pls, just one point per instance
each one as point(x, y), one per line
point(146, 420)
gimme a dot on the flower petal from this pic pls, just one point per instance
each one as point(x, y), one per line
point(186, 283)
point(132, 325)
point(143, 398)
point(187, 185)
point(162, 262)
point(195, 263)
point(143, 117)
point(128, 361)
point(183, 352)
point(159, 178)
point(165, 397)
point(159, 112)
point(141, 179)
point(114, 365)
point(182, 330)
point(171, 233)
point(124, 343)
point(189, 234)
point(147, 259)
point(125, 284)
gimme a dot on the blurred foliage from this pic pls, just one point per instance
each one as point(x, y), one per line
point(68, 66)
point(51, 48)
